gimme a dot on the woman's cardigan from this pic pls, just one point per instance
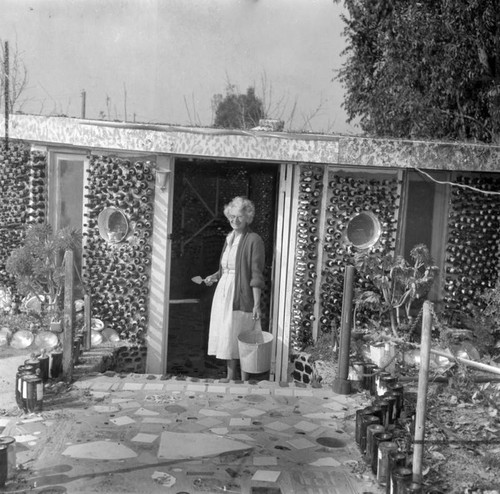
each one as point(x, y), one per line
point(249, 268)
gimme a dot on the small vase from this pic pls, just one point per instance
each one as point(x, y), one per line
point(55, 326)
point(382, 353)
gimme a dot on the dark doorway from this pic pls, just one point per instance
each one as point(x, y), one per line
point(201, 190)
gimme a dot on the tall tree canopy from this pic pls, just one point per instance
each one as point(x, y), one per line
point(237, 111)
point(424, 69)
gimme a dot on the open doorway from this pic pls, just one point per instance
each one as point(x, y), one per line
point(201, 190)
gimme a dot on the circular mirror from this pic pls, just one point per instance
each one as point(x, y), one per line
point(113, 225)
point(363, 230)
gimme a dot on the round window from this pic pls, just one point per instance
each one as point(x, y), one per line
point(363, 230)
point(113, 225)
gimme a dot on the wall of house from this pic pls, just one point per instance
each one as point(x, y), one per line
point(23, 198)
point(469, 232)
point(327, 198)
point(472, 242)
point(117, 275)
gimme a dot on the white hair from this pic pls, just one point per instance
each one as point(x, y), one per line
point(242, 204)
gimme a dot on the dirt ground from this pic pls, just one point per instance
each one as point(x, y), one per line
point(462, 449)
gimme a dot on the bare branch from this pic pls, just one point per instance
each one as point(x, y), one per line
point(195, 112)
point(292, 113)
point(187, 109)
point(18, 75)
point(311, 115)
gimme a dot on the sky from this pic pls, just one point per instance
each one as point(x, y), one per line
point(161, 61)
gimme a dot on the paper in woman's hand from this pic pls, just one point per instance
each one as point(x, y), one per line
point(197, 279)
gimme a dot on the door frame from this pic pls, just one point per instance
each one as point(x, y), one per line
point(159, 294)
point(54, 184)
point(282, 269)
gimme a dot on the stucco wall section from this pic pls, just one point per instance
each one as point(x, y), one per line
point(260, 146)
point(201, 142)
point(420, 154)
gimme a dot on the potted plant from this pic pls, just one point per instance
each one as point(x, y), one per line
point(396, 285)
point(38, 265)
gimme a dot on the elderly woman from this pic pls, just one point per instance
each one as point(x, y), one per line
point(236, 303)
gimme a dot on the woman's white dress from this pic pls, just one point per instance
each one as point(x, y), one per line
point(226, 324)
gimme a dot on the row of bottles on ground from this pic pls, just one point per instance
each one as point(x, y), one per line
point(38, 369)
point(384, 429)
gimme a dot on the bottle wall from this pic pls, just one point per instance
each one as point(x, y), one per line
point(117, 275)
point(23, 195)
point(327, 199)
point(472, 245)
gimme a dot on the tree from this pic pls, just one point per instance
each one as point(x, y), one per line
point(423, 69)
point(18, 75)
point(237, 111)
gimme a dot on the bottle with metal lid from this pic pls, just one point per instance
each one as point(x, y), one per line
point(33, 360)
point(398, 391)
point(359, 419)
point(400, 478)
point(21, 370)
point(384, 448)
point(378, 438)
point(378, 411)
point(44, 366)
point(367, 420)
point(368, 382)
point(10, 442)
point(386, 382)
point(378, 382)
point(396, 459)
point(370, 431)
point(32, 393)
point(4, 468)
point(384, 410)
point(390, 398)
point(414, 488)
point(56, 364)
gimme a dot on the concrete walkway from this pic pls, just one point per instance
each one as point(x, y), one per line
point(142, 434)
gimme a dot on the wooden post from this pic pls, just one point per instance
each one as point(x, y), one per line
point(342, 385)
point(6, 93)
point(87, 318)
point(467, 362)
point(423, 381)
point(84, 102)
point(68, 317)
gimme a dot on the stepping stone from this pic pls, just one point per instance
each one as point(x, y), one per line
point(100, 450)
point(153, 386)
point(301, 443)
point(266, 476)
point(122, 420)
point(132, 386)
point(178, 445)
point(144, 438)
